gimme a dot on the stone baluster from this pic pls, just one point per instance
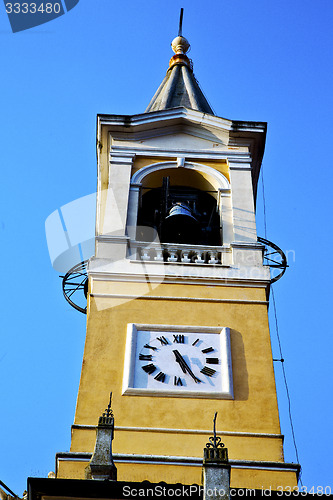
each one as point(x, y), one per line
point(145, 253)
point(185, 256)
point(159, 255)
point(213, 258)
point(173, 256)
point(198, 258)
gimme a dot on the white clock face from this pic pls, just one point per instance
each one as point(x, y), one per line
point(179, 361)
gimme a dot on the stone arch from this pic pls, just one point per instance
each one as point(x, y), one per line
point(210, 179)
point(218, 180)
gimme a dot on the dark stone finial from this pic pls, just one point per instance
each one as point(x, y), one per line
point(101, 465)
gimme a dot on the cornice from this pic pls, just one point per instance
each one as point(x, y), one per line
point(189, 154)
point(178, 279)
point(123, 122)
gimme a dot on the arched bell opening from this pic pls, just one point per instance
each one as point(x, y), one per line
point(182, 214)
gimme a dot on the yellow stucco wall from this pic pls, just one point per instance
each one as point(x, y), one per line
point(183, 444)
point(254, 408)
point(252, 411)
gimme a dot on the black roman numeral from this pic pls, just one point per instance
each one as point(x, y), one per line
point(147, 346)
point(149, 368)
point(208, 371)
point(163, 340)
point(177, 381)
point(208, 349)
point(145, 357)
point(179, 339)
point(195, 342)
point(212, 361)
point(160, 377)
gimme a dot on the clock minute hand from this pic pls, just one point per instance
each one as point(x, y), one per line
point(184, 366)
point(180, 360)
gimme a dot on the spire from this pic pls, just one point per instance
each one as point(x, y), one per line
point(179, 87)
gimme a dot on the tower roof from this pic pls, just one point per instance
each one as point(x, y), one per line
point(179, 87)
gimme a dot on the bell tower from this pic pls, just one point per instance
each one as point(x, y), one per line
point(177, 297)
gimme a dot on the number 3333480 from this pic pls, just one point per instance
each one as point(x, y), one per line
point(33, 8)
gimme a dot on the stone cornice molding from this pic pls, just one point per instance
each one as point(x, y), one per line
point(181, 113)
point(231, 156)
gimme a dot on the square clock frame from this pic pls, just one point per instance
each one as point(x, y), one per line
point(178, 361)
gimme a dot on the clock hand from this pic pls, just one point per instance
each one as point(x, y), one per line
point(184, 366)
point(180, 360)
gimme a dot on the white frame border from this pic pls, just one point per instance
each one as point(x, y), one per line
point(130, 353)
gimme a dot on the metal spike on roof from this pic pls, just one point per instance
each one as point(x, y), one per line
point(179, 86)
point(180, 31)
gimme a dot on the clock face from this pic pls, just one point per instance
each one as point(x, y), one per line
point(178, 361)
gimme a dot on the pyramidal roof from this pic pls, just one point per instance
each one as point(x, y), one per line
point(179, 87)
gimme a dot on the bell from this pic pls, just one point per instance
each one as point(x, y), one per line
point(180, 226)
point(181, 210)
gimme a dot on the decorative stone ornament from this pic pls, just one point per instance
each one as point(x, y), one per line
point(180, 45)
point(101, 465)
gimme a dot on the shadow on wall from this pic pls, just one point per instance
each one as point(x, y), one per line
point(239, 368)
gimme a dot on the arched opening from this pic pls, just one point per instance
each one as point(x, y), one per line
point(181, 205)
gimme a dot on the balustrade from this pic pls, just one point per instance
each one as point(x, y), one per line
point(179, 254)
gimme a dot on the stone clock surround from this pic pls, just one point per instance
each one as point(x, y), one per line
point(224, 390)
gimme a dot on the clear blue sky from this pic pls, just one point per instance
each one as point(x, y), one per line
point(255, 60)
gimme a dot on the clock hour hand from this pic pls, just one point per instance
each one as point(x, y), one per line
point(184, 366)
point(180, 360)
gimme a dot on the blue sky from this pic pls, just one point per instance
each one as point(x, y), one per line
point(255, 60)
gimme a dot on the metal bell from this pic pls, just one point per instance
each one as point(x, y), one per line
point(181, 210)
point(180, 226)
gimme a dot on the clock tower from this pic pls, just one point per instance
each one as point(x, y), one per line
point(177, 296)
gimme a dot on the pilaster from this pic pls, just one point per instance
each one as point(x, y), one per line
point(242, 203)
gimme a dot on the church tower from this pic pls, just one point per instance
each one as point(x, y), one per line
point(177, 297)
